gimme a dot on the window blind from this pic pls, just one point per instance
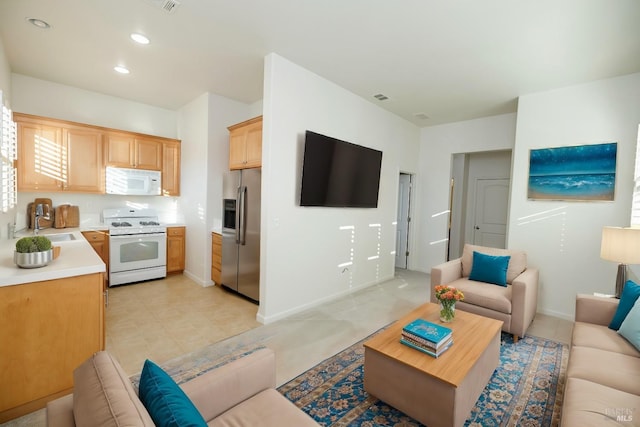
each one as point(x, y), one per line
point(8, 155)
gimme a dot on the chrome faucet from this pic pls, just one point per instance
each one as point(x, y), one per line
point(41, 212)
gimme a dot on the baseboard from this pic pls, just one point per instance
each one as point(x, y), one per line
point(558, 314)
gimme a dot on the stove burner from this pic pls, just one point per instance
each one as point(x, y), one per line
point(121, 224)
point(149, 223)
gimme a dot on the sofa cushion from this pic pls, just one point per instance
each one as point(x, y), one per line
point(267, 408)
point(167, 404)
point(588, 404)
point(497, 298)
point(104, 396)
point(598, 336)
point(630, 294)
point(630, 328)
point(517, 263)
point(604, 367)
point(489, 268)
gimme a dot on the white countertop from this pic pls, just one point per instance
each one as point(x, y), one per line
point(77, 258)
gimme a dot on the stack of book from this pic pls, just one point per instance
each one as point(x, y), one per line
point(427, 337)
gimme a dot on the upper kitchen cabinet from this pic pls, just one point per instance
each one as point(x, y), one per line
point(85, 166)
point(132, 151)
point(171, 168)
point(245, 144)
point(57, 156)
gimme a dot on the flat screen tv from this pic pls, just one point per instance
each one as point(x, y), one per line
point(337, 173)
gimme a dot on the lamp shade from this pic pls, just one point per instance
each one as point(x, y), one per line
point(620, 245)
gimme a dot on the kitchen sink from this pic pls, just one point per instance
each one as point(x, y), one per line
point(62, 237)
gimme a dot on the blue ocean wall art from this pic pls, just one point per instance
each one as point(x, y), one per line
point(583, 172)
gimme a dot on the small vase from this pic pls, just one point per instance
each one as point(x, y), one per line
point(447, 311)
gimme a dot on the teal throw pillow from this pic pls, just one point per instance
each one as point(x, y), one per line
point(165, 401)
point(628, 298)
point(489, 268)
point(630, 328)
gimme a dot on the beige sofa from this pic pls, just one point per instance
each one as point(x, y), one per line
point(240, 393)
point(603, 375)
point(514, 304)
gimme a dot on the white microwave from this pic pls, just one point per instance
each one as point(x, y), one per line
point(133, 182)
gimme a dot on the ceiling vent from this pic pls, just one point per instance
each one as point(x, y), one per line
point(381, 97)
point(421, 116)
point(168, 6)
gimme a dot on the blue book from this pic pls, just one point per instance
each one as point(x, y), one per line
point(428, 331)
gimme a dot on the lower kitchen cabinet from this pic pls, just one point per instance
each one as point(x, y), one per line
point(216, 258)
point(47, 329)
point(175, 249)
point(99, 240)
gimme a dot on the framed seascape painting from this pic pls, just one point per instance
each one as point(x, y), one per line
point(579, 173)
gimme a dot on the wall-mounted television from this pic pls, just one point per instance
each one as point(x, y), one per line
point(337, 173)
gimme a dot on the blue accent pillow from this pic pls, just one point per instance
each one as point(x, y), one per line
point(630, 294)
point(630, 328)
point(489, 268)
point(165, 401)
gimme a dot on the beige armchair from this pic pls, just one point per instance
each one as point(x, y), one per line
point(514, 304)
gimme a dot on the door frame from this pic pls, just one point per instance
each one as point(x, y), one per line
point(410, 215)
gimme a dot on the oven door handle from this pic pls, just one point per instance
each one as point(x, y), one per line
point(135, 236)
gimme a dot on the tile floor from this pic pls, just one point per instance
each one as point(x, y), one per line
point(163, 319)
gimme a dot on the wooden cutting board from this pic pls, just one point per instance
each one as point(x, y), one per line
point(73, 216)
point(61, 216)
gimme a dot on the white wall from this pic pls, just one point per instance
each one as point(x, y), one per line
point(563, 238)
point(5, 76)
point(438, 144)
point(48, 99)
point(302, 247)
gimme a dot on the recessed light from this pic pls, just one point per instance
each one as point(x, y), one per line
point(121, 69)
point(44, 25)
point(139, 38)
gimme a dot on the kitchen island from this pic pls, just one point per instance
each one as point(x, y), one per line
point(51, 320)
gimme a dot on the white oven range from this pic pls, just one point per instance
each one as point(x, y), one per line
point(137, 245)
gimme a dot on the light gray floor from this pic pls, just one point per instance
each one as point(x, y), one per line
point(305, 339)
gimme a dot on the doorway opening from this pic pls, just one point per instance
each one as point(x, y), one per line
point(479, 204)
point(403, 220)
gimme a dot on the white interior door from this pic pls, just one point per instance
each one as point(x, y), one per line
point(492, 199)
point(402, 228)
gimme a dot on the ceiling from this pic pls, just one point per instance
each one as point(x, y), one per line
point(448, 60)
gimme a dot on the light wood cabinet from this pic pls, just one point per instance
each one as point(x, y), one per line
point(171, 168)
point(216, 258)
point(54, 156)
point(47, 329)
point(84, 163)
point(245, 144)
point(132, 151)
point(57, 155)
point(175, 249)
point(39, 155)
point(99, 241)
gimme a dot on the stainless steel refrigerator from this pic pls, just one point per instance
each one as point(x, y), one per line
point(241, 232)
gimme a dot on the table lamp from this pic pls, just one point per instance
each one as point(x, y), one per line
point(621, 245)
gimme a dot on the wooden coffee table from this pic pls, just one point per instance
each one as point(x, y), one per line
point(436, 392)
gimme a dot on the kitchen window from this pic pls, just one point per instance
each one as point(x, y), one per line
point(8, 144)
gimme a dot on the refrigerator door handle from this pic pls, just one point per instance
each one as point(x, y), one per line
point(243, 207)
point(238, 215)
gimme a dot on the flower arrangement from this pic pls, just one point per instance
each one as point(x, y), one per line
point(447, 296)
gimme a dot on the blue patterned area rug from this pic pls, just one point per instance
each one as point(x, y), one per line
point(525, 390)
